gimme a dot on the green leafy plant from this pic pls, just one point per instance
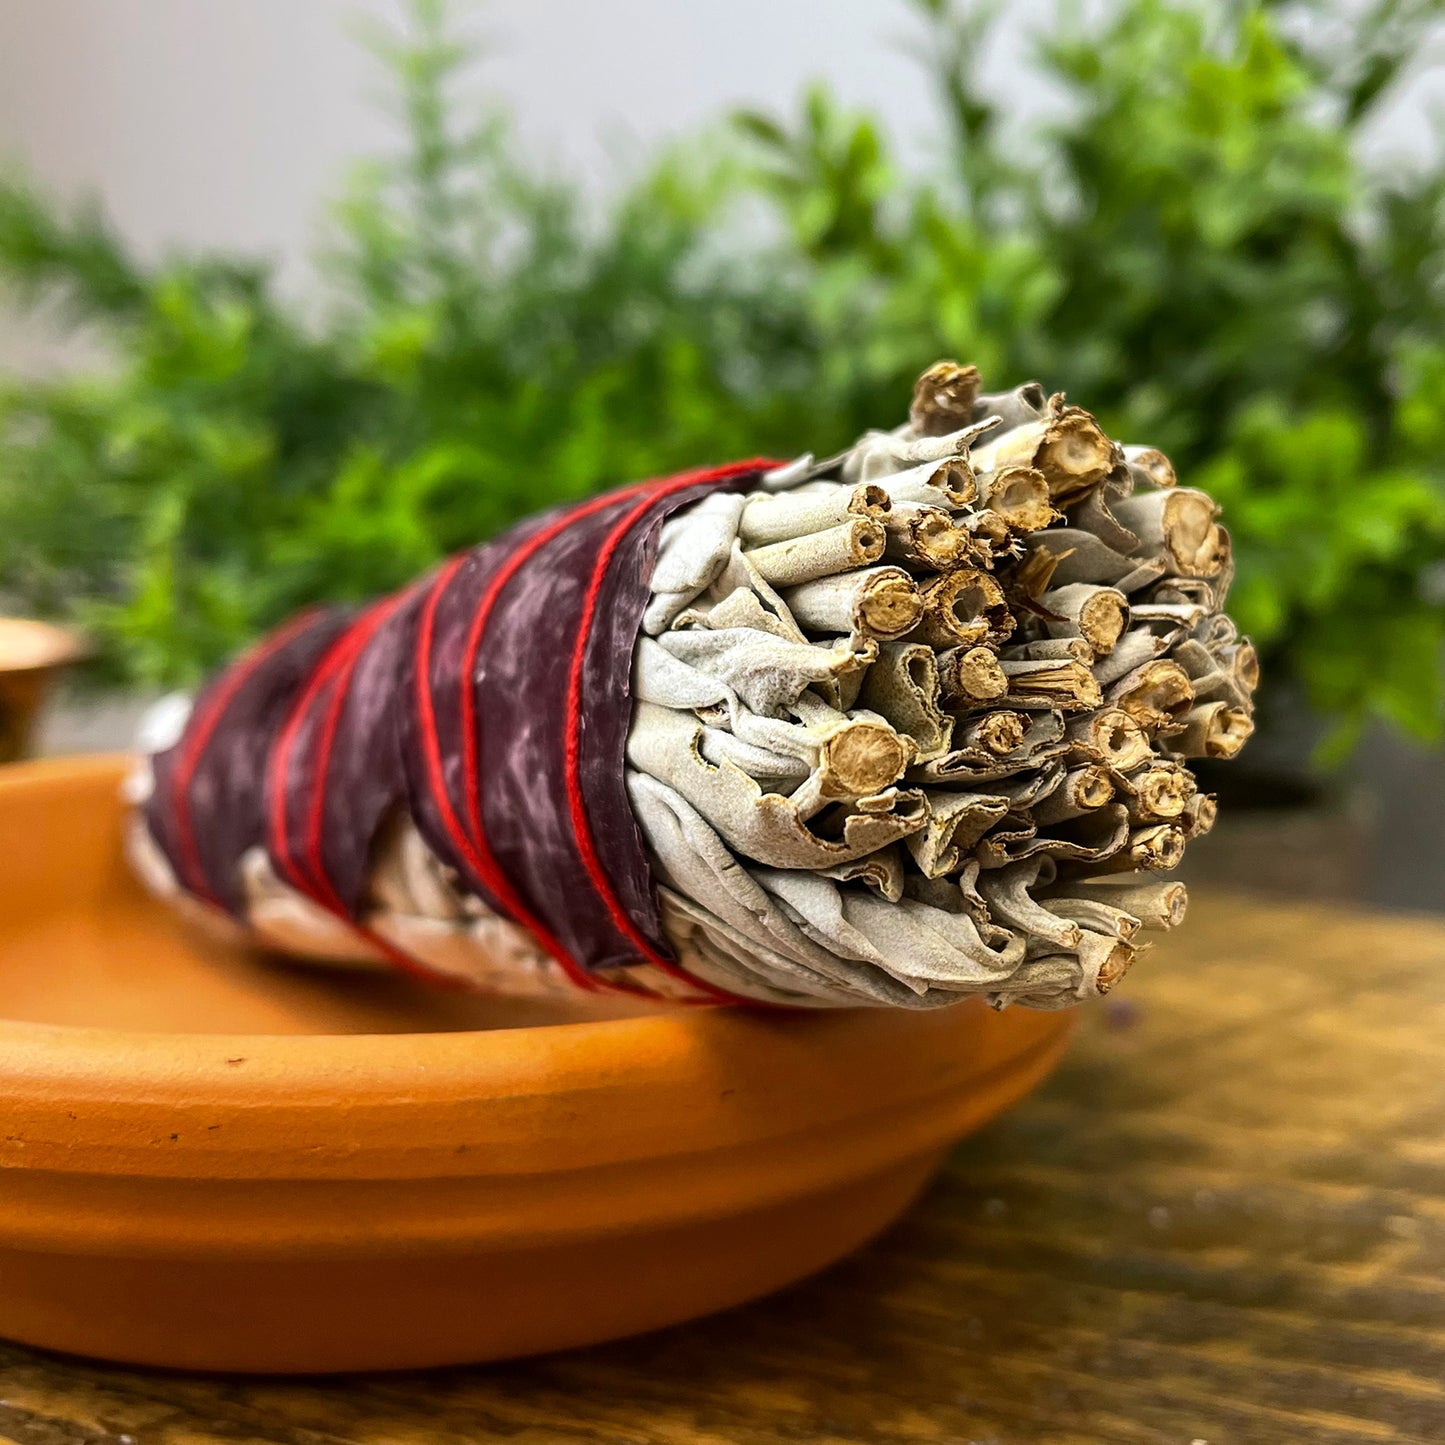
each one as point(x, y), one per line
point(487, 350)
point(1198, 246)
point(1199, 251)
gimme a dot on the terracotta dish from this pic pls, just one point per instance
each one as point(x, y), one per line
point(209, 1159)
point(32, 657)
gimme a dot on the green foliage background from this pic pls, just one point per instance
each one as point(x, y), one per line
point(1196, 249)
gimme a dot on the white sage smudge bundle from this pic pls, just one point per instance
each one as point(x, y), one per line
point(904, 725)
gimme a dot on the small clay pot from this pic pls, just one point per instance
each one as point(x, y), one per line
point(32, 657)
point(215, 1160)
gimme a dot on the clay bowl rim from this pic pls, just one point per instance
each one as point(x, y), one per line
point(846, 1091)
point(59, 645)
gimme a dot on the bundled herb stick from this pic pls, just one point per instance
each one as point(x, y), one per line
point(896, 727)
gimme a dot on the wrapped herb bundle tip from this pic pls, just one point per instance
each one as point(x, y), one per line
point(896, 727)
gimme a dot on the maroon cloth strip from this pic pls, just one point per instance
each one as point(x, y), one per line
point(208, 803)
point(367, 776)
point(357, 751)
point(344, 772)
point(453, 616)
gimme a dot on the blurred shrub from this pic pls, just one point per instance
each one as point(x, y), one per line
point(1195, 247)
point(484, 349)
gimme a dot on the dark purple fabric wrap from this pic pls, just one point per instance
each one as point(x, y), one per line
point(456, 609)
point(357, 741)
point(365, 775)
point(226, 792)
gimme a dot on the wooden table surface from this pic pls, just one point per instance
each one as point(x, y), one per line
point(1223, 1221)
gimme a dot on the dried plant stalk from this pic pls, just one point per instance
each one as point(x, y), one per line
point(943, 398)
point(1111, 736)
point(1214, 730)
point(964, 608)
point(883, 454)
point(1179, 525)
point(1100, 615)
point(1199, 815)
point(1019, 496)
point(1158, 847)
point(1159, 792)
point(1066, 685)
point(861, 759)
point(881, 602)
point(998, 733)
point(949, 484)
point(1150, 467)
point(854, 543)
point(970, 675)
point(1011, 409)
point(1154, 695)
point(780, 516)
point(926, 537)
point(1155, 902)
point(1067, 446)
point(1082, 791)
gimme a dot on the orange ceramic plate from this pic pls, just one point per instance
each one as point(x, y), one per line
point(214, 1160)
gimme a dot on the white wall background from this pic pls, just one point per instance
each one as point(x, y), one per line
point(227, 123)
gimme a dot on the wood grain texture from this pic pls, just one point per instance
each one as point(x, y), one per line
point(1223, 1221)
